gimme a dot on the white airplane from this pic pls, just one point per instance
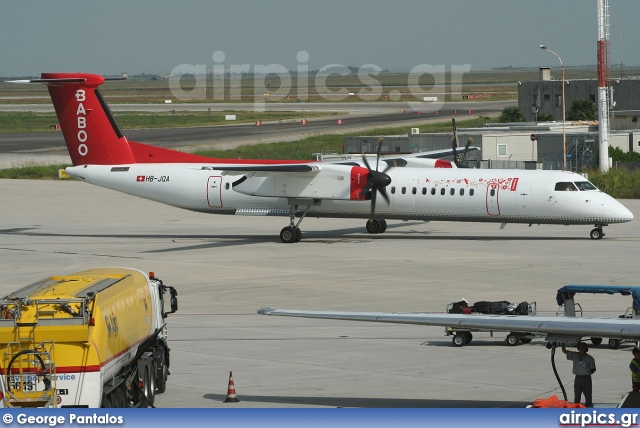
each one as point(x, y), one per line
point(415, 187)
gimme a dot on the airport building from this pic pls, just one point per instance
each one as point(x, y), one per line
point(545, 96)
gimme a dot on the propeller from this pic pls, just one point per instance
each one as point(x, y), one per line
point(377, 181)
point(454, 143)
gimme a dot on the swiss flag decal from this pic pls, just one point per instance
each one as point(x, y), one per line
point(140, 178)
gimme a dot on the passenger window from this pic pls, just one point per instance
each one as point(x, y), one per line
point(393, 190)
point(226, 186)
point(433, 190)
point(565, 186)
point(461, 192)
point(414, 191)
point(404, 190)
point(442, 191)
point(452, 192)
point(424, 190)
point(471, 192)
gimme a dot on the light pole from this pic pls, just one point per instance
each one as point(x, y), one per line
point(564, 126)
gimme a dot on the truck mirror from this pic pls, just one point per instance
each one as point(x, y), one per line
point(174, 304)
point(174, 301)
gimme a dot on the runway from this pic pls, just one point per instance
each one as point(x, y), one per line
point(225, 268)
point(357, 116)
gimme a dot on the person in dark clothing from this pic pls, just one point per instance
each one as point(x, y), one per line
point(584, 365)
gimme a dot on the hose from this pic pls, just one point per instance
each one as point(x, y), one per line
point(45, 379)
point(555, 371)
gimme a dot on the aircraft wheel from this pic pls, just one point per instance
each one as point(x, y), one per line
point(298, 234)
point(614, 343)
point(289, 235)
point(375, 226)
point(512, 339)
point(383, 225)
point(596, 340)
point(458, 340)
point(596, 233)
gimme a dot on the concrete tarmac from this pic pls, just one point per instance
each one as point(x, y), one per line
point(225, 268)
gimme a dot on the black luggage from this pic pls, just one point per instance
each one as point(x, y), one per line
point(456, 308)
point(492, 308)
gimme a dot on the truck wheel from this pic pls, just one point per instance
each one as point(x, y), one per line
point(143, 390)
point(106, 402)
point(458, 340)
point(120, 400)
point(525, 339)
point(150, 385)
point(614, 343)
point(512, 339)
point(161, 382)
point(596, 340)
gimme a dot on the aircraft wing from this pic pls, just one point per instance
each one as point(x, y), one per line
point(556, 328)
point(435, 154)
point(269, 169)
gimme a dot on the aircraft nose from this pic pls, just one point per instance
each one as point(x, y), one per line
point(622, 213)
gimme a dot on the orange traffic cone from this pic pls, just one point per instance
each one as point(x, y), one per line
point(231, 391)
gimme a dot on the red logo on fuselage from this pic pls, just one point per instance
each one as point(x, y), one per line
point(140, 178)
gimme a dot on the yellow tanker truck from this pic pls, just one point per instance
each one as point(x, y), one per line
point(95, 338)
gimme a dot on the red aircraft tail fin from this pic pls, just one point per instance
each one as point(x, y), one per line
point(89, 129)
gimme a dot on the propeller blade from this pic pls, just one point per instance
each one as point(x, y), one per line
point(367, 188)
point(364, 159)
point(380, 140)
point(465, 154)
point(383, 192)
point(373, 202)
point(454, 143)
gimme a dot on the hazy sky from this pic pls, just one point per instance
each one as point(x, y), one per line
point(115, 36)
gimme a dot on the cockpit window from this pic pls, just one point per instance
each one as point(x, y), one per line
point(585, 185)
point(565, 186)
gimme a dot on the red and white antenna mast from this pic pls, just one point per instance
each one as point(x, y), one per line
point(603, 67)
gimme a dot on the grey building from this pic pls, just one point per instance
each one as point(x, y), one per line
point(545, 96)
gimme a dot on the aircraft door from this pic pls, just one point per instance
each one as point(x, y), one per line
point(214, 192)
point(493, 208)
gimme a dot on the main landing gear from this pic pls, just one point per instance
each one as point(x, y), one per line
point(376, 225)
point(597, 233)
point(292, 233)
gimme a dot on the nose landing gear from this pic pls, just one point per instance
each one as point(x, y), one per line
point(597, 233)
